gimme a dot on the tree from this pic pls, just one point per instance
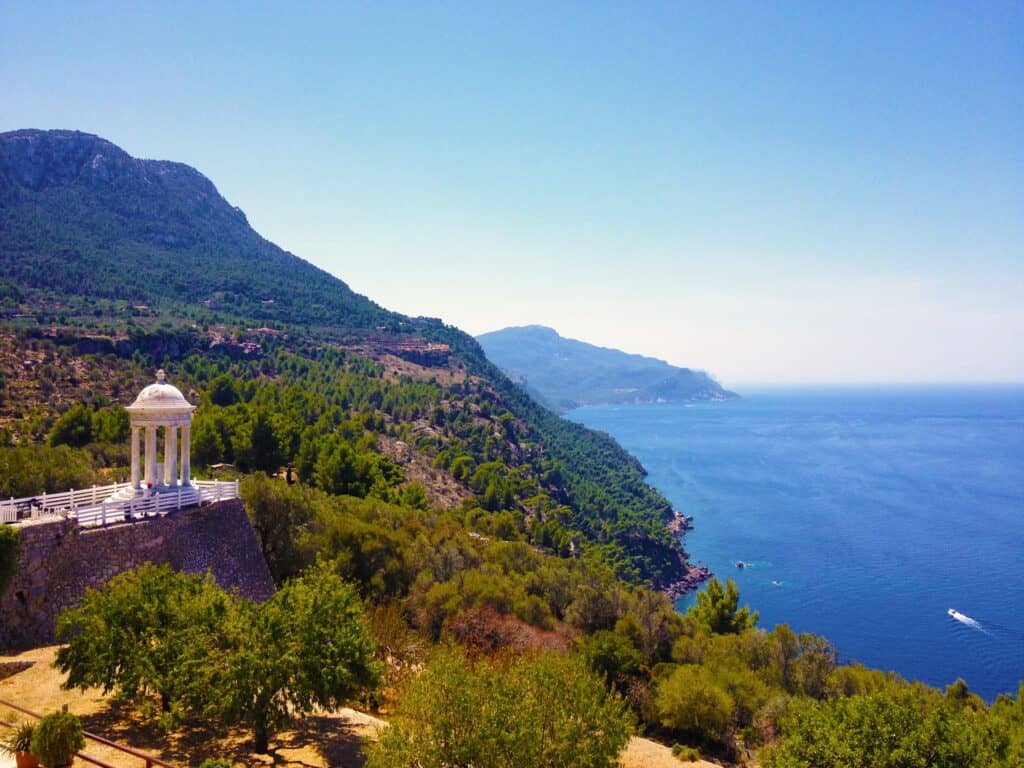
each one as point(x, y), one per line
point(308, 646)
point(136, 635)
point(31, 469)
point(547, 711)
point(222, 391)
point(74, 428)
point(610, 654)
point(110, 425)
point(890, 728)
point(279, 514)
point(256, 445)
point(345, 468)
point(209, 438)
point(182, 638)
point(717, 609)
point(691, 701)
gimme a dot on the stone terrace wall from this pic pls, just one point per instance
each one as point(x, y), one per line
point(58, 561)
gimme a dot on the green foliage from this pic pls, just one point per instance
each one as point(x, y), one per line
point(414, 495)
point(256, 445)
point(542, 711)
point(222, 391)
point(10, 538)
point(26, 470)
point(886, 729)
point(691, 702)
point(717, 609)
point(306, 647)
point(19, 740)
point(346, 469)
point(110, 425)
point(74, 428)
point(610, 654)
point(57, 738)
point(685, 753)
point(136, 635)
point(279, 514)
point(180, 637)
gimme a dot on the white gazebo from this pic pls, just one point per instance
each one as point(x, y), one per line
point(160, 406)
point(160, 481)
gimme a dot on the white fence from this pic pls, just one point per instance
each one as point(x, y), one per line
point(94, 506)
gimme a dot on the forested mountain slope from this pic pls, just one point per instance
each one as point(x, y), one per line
point(111, 266)
point(568, 373)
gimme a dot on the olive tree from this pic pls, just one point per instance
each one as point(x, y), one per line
point(308, 646)
point(137, 634)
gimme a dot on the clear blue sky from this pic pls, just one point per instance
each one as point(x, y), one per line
point(813, 192)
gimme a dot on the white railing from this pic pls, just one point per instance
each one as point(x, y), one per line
point(96, 505)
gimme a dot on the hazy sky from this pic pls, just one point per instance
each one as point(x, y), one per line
point(815, 192)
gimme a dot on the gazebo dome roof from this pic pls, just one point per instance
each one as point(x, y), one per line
point(161, 396)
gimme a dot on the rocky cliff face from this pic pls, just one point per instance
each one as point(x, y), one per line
point(39, 160)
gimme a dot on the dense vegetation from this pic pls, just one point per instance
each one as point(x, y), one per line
point(436, 581)
point(181, 638)
point(547, 711)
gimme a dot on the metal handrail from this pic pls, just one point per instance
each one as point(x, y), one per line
point(150, 760)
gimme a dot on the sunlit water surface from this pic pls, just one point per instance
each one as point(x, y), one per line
point(861, 514)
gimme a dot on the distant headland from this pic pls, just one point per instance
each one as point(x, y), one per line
point(566, 373)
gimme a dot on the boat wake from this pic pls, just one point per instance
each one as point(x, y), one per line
point(996, 631)
point(963, 618)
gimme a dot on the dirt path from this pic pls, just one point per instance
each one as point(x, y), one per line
point(644, 753)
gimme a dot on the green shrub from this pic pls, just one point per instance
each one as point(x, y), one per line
point(216, 762)
point(686, 753)
point(546, 710)
point(57, 738)
point(19, 740)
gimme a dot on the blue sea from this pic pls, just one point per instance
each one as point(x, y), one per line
point(861, 514)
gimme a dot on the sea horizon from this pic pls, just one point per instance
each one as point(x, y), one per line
point(860, 512)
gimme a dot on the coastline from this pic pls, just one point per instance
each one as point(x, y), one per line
point(693, 575)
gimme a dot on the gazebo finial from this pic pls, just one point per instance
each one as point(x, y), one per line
point(161, 376)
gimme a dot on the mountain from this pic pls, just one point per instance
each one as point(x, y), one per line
point(82, 216)
point(566, 373)
point(111, 266)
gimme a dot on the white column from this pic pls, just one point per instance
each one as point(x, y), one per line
point(186, 453)
point(170, 455)
point(136, 474)
point(150, 474)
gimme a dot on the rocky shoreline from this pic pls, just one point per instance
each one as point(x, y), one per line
point(693, 575)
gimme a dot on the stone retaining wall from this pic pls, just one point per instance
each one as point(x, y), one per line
point(58, 561)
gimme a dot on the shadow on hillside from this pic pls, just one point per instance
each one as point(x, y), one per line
point(315, 741)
